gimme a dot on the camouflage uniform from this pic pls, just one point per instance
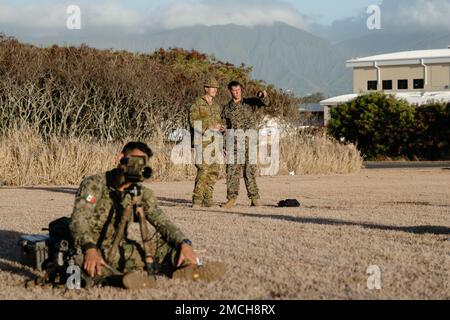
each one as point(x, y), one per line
point(95, 219)
point(243, 115)
point(207, 174)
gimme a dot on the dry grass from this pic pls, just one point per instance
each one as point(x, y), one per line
point(318, 154)
point(395, 219)
point(29, 159)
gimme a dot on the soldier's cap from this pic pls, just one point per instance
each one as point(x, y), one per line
point(211, 83)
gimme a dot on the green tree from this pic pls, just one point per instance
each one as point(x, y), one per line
point(432, 134)
point(379, 124)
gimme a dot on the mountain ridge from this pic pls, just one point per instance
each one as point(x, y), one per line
point(280, 54)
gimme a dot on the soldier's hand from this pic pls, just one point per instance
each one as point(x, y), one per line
point(187, 253)
point(93, 262)
point(216, 127)
point(262, 94)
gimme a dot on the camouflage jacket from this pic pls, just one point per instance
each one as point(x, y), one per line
point(98, 210)
point(207, 114)
point(245, 114)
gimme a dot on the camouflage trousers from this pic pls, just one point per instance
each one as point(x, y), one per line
point(207, 175)
point(234, 174)
point(130, 257)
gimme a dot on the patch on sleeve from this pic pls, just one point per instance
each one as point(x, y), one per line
point(90, 198)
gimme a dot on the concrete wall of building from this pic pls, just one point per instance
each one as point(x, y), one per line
point(361, 76)
point(326, 115)
point(438, 76)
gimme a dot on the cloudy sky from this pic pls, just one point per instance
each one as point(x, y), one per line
point(47, 17)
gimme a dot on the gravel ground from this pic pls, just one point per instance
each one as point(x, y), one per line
point(396, 219)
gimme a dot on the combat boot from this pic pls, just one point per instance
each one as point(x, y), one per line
point(196, 204)
point(138, 280)
point(255, 203)
point(229, 204)
point(209, 272)
point(208, 204)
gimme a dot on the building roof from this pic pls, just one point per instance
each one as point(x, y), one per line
point(405, 57)
point(339, 100)
point(311, 107)
point(416, 98)
point(428, 97)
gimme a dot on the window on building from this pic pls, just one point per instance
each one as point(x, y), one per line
point(372, 85)
point(419, 83)
point(387, 84)
point(402, 84)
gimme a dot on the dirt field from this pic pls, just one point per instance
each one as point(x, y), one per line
point(397, 219)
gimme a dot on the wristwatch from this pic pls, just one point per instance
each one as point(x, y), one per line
point(187, 241)
point(88, 246)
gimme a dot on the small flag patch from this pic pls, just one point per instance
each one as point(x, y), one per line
point(90, 199)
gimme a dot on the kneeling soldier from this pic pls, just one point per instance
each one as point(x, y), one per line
point(99, 225)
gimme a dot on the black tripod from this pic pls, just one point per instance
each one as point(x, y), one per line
point(135, 211)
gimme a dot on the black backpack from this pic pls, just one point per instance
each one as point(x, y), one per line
point(59, 230)
point(60, 253)
point(289, 203)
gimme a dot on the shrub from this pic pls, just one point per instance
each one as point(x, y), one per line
point(379, 124)
point(66, 111)
point(108, 95)
point(431, 136)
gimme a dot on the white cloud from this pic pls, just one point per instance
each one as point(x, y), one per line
point(33, 16)
point(417, 13)
point(397, 16)
point(113, 15)
point(244, 13)
point(117, 14)
point(54, 16)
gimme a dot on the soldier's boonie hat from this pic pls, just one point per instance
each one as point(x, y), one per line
point(211, 83)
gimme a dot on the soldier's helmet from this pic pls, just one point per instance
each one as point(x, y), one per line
point(211, 83)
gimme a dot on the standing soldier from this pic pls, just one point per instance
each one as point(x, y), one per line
point(206, 111)
point(242, 114)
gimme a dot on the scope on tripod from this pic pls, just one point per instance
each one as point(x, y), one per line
point(135, 169)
